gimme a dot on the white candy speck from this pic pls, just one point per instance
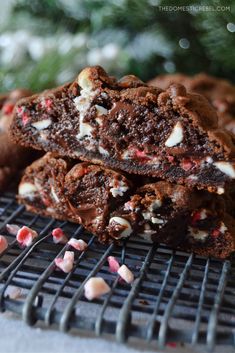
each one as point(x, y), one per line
point(226, 168)
point(176, 136)
point(42, 124)
point(118, 188)
point(123, 222)
point(198, 234)
point(223, 228)
point(126, 274)
point(95, 287)
point(103, 151)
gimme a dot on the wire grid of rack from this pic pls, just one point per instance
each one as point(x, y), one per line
point(172, 289)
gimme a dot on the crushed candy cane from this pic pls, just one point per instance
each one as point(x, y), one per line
point(95, 287)
point(25, 236)
point(3, 244)
point(12, 229)
point(126, 274)
point(65, 263)
point(59, 236)
point(14, 292)
point(113, 264)
point(78, 244)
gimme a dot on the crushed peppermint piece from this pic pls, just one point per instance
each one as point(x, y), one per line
point(113, 264)
point(14, 292)
point(25, 236)
point(12, 229)
point(78, 244)
point(126, 274)
point(3, 244)
point(95, 287)
point(65, 263)
point(59, 236)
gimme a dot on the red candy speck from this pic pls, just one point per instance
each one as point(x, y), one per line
point(48, 103)
point(170, 158)
point(186, 164)
point(25, 119)
point(215, 233)
point(19, 110)
point(8, 108)
point(196, 216)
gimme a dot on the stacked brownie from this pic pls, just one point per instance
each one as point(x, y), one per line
point(169, 137)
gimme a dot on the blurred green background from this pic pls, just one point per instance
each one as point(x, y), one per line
point(44, 43)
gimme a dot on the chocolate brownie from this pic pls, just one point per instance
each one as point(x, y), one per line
point(220, 93)
point(129, 126)
point(81, 192)
point(195, 221)
point(106, 204)
point(12, 157)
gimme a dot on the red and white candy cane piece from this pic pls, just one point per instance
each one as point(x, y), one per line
point(126, 274)
point(3, 244)
point(65, 263)
point(95, 287)
point(12, 229)
point(25, 236)
point(113, 264)
point(78, 244)
point(59, 236)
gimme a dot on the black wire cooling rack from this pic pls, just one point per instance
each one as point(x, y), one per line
point(176, 297)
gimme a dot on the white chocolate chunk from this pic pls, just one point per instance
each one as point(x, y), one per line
point(198, 234)
point(226, 168)
point(176, 136)
point(82, 103)
point(84, 79)
point(27, 189)
point(220, 190)
point(123, 222)
point(101, 110)
point(156, 220)
point(147, 215)
point(42, 124)
point(118, 188)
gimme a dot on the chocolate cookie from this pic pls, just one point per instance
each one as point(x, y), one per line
point(81, 192)
point(195, 221)
point(12, 157)
point(106, 203)
point(219, 92)
point(126, 125)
